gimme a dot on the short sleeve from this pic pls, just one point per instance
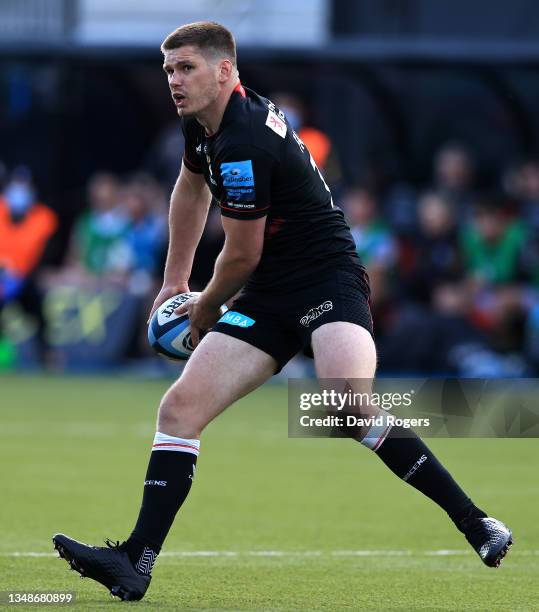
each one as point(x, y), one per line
point(190, 156)
point(246, 177)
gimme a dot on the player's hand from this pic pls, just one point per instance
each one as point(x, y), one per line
point(166, 292)
point(202, 316)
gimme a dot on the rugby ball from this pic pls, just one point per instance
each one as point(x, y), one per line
point(169, 334)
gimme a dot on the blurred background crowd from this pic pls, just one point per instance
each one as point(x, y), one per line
point(435, 166)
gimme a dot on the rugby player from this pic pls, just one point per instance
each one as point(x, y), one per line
point(290, 251)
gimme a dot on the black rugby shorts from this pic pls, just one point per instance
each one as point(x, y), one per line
point(282, 325)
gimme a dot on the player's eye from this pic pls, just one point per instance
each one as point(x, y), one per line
point(188, 68)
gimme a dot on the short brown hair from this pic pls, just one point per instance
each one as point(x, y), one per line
point(206, 35)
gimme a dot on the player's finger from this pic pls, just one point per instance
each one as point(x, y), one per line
point(161, 298)
point(195, 336)
point(183, 308)
point(154, 308)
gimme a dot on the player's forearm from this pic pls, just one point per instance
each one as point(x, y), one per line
point(187, 217)
point(230, 274)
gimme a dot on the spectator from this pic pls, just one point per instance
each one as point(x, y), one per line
point(454, 176)
point(400, 209)
point(145, 237)
point(316, 141)
point(527, 191)
point(493, 244)
point(432, 257)
point(374, 241)
point(461, 326)
point(99, 239)
point(501, 258)
point(26, 227)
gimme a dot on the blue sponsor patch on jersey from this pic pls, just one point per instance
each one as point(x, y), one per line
point(238, 174)
point(236, 318)
point(238, 181)
point(240, 197)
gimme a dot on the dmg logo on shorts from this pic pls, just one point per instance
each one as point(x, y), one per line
point(314, 313)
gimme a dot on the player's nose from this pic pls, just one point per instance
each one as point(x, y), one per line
point(175, 80)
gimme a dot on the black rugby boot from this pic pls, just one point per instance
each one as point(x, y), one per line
point(108, 565)
point(489, 537)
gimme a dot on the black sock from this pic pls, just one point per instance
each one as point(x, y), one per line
point(167, 484)
point(407, 456)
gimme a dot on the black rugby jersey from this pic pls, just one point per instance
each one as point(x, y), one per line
point(256, 165)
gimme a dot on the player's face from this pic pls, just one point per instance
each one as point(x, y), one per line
point(192, 79)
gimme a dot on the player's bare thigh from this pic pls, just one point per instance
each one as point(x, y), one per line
point(344, 350)
point(345, 354)
point(221, 370)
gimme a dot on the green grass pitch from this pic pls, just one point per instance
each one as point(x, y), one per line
point(271, 523)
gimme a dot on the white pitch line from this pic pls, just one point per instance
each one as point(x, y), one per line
point(28, 554)
point(292, 553)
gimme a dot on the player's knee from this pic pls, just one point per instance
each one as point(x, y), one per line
point(180, 413)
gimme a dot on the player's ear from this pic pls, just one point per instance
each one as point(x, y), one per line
point(225, 70)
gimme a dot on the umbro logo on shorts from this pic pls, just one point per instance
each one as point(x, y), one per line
point(314, 313)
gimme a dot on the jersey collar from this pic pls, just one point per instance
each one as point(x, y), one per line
point(240, 90)
point(234, 102)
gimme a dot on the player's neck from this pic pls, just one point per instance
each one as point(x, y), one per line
point(210, 118)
